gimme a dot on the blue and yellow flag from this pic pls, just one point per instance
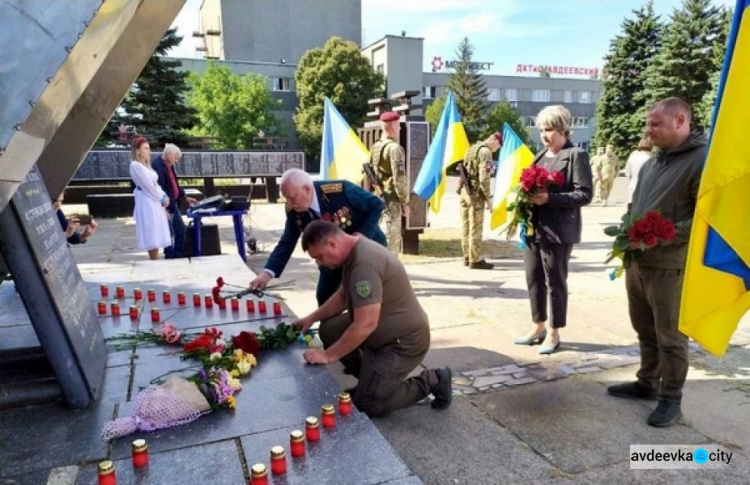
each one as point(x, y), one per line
point(716, 292)
point(514, 156)
point(342, 153)
point(448, 146)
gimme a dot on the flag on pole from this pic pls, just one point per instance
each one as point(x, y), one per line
point(342, 153)
point(716, 291)
point(448, 146)
point(514, 156)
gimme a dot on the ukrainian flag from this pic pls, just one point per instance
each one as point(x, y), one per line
point(716, 292)
point(514, 156)
point(342, 153)
point(449, 146)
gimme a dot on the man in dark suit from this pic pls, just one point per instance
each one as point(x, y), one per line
point(339, 201)
point(163, 165)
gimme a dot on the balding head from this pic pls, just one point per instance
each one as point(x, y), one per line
point(668, 123)
point(297, 189)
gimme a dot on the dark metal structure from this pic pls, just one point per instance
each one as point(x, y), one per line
point(66, 66)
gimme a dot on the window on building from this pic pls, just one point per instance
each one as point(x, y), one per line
point(540, 95)
point(281, 83)
point(529, 121)
point(493, 94)
point(584, 97)
point(579, 122)
point(380, 68)
point(429, 92)
point(511, 94)
point(568, 97)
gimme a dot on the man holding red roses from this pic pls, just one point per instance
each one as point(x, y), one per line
point(667, 185)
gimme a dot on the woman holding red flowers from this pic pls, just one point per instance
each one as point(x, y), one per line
point(556, 220)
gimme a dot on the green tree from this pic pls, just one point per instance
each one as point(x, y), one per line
point(704, 110)
point(501, 113)
point(155, 105)
point(684, 64)
point(233, 108)
point(469, 89)
point(619, 116)
point(337, 71)
point(434, 111)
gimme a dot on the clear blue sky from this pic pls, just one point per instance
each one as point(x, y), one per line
point(504, 32)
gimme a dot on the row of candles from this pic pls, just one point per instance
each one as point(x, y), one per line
point(258, 472)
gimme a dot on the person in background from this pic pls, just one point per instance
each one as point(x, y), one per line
point(151, 224)
point(634, 164)
point(70, 226)
point(164, 165)
point(557, 227)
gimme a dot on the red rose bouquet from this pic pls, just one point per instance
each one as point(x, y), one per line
point(634, 236)
point(534, 180)
point(220, 293)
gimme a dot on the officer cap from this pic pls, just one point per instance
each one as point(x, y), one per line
point(389, 116)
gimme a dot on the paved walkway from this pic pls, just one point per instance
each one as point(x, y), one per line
point(519, 416)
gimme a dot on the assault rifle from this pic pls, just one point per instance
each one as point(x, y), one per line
point(463, 180)
point(372, 183)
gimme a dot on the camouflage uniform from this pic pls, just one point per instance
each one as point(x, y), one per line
point(388, 161)
point(604, 169)
point(478, 163)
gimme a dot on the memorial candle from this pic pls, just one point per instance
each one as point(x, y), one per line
point(102, 307)
point(196, 299)
point(277, 308)
point(137, 294)
point(262, 306)
point(140, 453)
point(297, 443)
point(250, 304)
point(182, 299)
point(155, 317)
point(133, 312)
point(151, 295)
point(235, 305)
point(345, 404)
point(120, 292)
point(258, 474)
point(209, 301)
point(312, 429)
point(329, 415)
point(104, 290)
point(115, 309)
point(166, 297)
point(278, 460)
point(106, 473)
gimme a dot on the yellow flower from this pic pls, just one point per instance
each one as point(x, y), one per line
point(234, 373)
point(235, 384)
point(231, 402)
point(238, 355)
point(243, 367)
point(250, 358)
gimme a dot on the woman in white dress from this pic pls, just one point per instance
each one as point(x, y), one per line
point(151, 223)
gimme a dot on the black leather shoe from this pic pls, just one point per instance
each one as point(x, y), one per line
point(481, 264)
point(442, 390)
point(632, 390)
point(466, 261)
point(666, 414)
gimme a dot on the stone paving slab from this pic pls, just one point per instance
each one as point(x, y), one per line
point(571, 423)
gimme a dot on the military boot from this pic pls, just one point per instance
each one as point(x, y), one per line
point(481, 264)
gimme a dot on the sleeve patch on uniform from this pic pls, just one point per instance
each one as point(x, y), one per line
point(364, 288)
point(332, 188)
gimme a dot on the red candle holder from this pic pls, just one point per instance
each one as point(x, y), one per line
point(166, 297)
point(196, 299)
point(297, 443)
point(155, 317)
point(134, 312)
point(120, 292)
point(235, 304)
point(104, 290)
point(115, 309)
point(151, 295)
point(329, 415)
point(102, 307)
point(345, 404)
point(258, 474)
point(209, 301)
point(262, 306)
point(140, 453)
point(277, 308)
point(278, 460)
point(137, 294)
point(106, 473)
point(250, 304)
point(222, 303)
point(312, 429)
point(182, 299)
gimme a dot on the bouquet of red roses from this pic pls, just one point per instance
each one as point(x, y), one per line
point(534, 180)
point(634, 235)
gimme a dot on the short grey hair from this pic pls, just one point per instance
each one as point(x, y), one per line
point(297, 178)
point(172, 148)
point(556, 117)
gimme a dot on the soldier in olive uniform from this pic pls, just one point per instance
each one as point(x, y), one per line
point(339, 201)
point(604, 170)
point(378, 331)
point(475, 197)
point(388, 162)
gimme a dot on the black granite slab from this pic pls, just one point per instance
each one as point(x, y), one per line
point(352, 452)
point(215, 464)
point(33, 478)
